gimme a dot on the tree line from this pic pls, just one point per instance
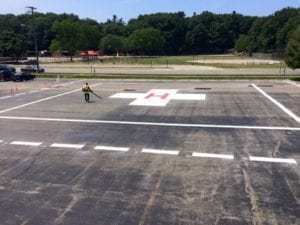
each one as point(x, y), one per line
point(153, 34)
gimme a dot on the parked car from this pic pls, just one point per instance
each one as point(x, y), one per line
point(22, 76)
point(6, 72)
point(32, 69)
point(5, 75)
point(7, 67)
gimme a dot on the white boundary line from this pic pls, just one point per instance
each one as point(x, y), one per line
point(209, 155)
point(150, 123)
point(27, 143)
point(277, 160)
point(59, 145)
point(282, 107)
point(44, 99)
point(1, 141)
point(111, 148)
point(159, 151)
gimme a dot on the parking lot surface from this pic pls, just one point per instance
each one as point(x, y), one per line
point(150, 152)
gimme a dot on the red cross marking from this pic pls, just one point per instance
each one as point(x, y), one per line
point(164, 96)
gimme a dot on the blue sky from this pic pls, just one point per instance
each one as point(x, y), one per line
point(101, 10)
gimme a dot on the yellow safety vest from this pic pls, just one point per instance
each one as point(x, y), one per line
point(86, 88)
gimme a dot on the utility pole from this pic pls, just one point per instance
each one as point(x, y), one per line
point(31, 8)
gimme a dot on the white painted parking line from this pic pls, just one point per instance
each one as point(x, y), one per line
point(282, 107)
point(4, 97)
point(44, 99)
point(20, 94)
point(191, 125)
point(26, 143)
point(277, 160)
point(159, 151)
point(34, 91)
point(110, 148)
point(210, 155)
point(1, 141)
point(59, 145)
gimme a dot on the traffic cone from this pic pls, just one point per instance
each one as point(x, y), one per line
point(17, 89)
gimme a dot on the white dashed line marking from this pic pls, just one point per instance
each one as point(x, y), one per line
point(159, 151)
point(58, 145)
point(110, 148)
point(26, 143)
point(209, 155)
point(277, 160)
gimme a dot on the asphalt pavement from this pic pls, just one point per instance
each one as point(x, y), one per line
point(150, 152)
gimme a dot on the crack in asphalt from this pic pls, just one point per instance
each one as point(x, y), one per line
point(151, 200)
point(257, 214)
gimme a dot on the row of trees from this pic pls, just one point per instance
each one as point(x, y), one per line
point(160, 33)
point(270, 34)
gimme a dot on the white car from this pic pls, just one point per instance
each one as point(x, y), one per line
point(32, 68)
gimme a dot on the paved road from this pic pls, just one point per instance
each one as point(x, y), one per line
point(160, 69)
point(151, 152)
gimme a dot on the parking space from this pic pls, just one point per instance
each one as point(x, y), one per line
point(150, 152)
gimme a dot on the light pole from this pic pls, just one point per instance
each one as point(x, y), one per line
point(31, 8)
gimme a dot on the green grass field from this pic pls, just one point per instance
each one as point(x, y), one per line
point(218, 61)
point(188, 60)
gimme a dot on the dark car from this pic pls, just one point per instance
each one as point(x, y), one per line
point(6, 72)
point(22, 76)
point(7, 67)
point(5, 75)
point(32, 69)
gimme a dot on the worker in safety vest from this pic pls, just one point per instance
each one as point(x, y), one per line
point(86, 90)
